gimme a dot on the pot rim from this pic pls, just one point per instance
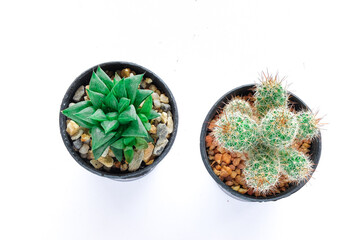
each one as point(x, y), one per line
point(118, 65)
point(315, 150)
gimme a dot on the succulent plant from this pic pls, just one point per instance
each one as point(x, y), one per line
point(267, 133)
point(117, 114)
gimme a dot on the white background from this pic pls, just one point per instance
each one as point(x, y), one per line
point(201, 49)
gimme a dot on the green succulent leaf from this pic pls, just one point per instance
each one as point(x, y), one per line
point(123, 104)
point(147, 126)
point(141, 143)
point(98, 115)
point(97, 85)
point(85, 114)
point(135, 129)
point(96, 98)
point(131, 84)
point(77, 108)
point(143, 118)
point(118, 153)
point(128, 115)
point(111, 101)
point(148, 138)
point(104, 77)
point(109, 126)
point(120, 89)
point(153, 114)
point(129, 141)
point(141, 95)
point(147, 106)
point(112, 116)
point(99, 137)
point(129, 154)
point(119, 144)
point(117, 78)
point(100, 150)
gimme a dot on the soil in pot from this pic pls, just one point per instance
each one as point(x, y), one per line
point(160, 130)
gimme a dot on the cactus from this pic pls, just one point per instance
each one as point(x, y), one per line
point(308, 125)
point(114, 114)
point(295, 164)
point(279, 127)
point(269, 94)
point(236, 131)
point(262, 171)
point(238, 105)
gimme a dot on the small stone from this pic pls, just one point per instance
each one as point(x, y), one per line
point(152, 129)
point(148, 80)
point(125, 73)
point(117, 164)
point(83, 155)
point(77, 144)
point(72, 128)
point(96, 164)
point(157, 104)
point(87, 87)
point(90, 155)
point(107, 161)
point(160, 146)
point(111, 153)
point(85, 138)
point(242, 190)
point(84, 149)
point(78, 135)
point(79, 93)
point(71, 104)
point(153, 87)
point(170, 124)
point(150, 162)
point(136, 162)
point(143, 84)
point(164, 99)
point(148, 152)
point(165, 107)
point(155, 96)
point(124, 167)
point(86, 98)
point(131, 74)
point(105, 153)
point(161, 131)
point(163, 117)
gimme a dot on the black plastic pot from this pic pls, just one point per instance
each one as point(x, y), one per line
point(315, 149)
point(84, 79)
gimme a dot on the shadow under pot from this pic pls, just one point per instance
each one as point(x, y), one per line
point(234, 182)
point(118, 120)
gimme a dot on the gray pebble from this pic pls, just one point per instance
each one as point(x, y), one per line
point(136, 162)
point(161, 131)
point(165, 107)
point(160, 146)
point(77, 144)
point(84, 149)
point(79, 93)
point(84, 155)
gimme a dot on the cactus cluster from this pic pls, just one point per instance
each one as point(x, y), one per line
point(117, 114)
point(266, 131)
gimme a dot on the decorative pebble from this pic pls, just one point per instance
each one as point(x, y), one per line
point(152, 129)
point(148, 80)
point(84, 149)
point(164, 99)
point(79, 93)
point(163, 117)
point(105, 153)
point(125, 73)
point(148, 152)
point(165, 107)
point(170, 124)
point(124, 167)
point(160, 146)
point(143, 84)
point(153, 87)
point(72, 128)
point(111, 153)
point(83, 155)
point(155, 96)
point(161, 131)
point(157, 104)
point(71, 104)
point(90, 155)
point(107, 161)
point(96, 164)
point(136, 162)
point(77, 144)
point(78, 135)
point(85, 138)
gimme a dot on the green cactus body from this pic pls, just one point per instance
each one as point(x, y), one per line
point(238, 105)
point(278, 128)
point(296, 165)
point(236, 131)
point(308, 125)
point(270, 94)
point(114, 115)
point(262, 170)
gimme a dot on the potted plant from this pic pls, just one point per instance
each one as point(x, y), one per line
point(261, 145)
point(118, 120)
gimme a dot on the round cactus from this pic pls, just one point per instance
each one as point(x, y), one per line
point(238, 105)
point(279, 128)
point(296, 165)
point(308, 125)
point(269, 94)
point(262, 170)
point(236, 131)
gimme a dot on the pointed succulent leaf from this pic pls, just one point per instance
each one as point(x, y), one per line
point(85, 114)
point(100, 150)
point(123, 104)
point(119, 144)
point(99, 137)
point(76, 108)
point(104, 77)
point(143, 118)
point(148, 138)
point(131, 84)
point(129, 141)
point(109, 126)
point(96, 98)
point(98, 115)
point(111, 101)
point(147, 106)
point(118, 153)
point(129, 154)
point(97, 85)
point(141, 143)
point(135, 129)
point(117, 78)
point(112, 116)
point(120, 89)
point(141, 95)
point(153, 114)
point(128, 115)
point(147, 126)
